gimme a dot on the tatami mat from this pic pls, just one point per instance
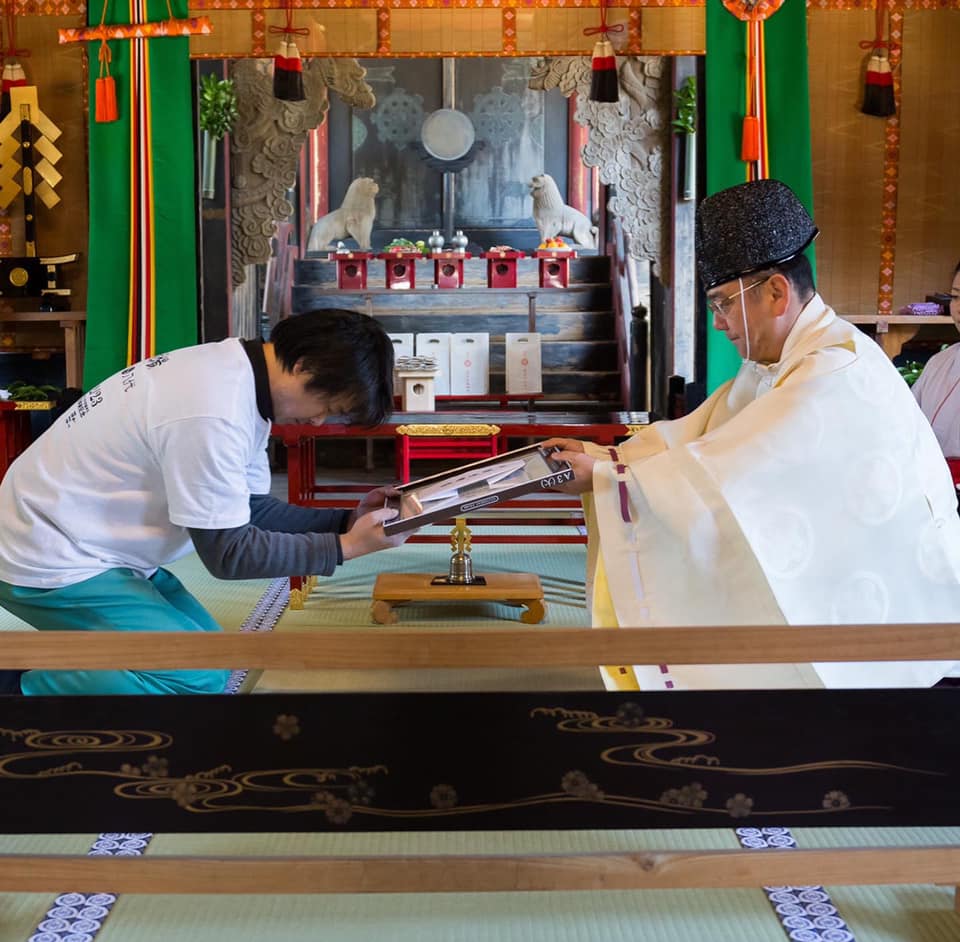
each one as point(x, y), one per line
point(874, 914)
point(471, 917)
point(229, 602)
point(891, 913)
point(344, 601)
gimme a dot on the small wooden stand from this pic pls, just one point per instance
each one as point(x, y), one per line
point(417, 389)
point(395, 588)
point(15, 432)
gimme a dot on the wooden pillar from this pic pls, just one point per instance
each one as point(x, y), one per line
point(578, 176)
point(319, 171)
point(680, 326)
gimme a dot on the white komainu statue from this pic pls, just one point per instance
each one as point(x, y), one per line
point(353, 218)
point(553, 216)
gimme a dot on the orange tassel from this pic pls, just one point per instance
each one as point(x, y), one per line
point(106, 105)
point(106, 91)
point(750, 141)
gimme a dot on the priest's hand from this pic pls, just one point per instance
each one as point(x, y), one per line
point(367, 534)
point(372, 500)
point(582, 471)
point(567, 444)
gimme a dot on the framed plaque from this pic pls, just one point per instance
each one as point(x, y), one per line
point(480, 484)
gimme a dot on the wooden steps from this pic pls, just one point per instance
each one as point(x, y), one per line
point(579, 347)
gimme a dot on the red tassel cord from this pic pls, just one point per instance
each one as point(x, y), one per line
point(604, 83)
point(753, 137)
point(105, 103)
point(287, 65)
point(106, 89)
point(13, 74)
point(879, 99)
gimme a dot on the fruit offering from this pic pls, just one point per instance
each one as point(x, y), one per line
point(402, 245)
point(553, 244)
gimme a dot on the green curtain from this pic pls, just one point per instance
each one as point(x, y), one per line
point(170, 203)
point(788, 122)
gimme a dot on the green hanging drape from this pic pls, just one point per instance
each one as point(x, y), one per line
point(142, 296)
point(788, 122)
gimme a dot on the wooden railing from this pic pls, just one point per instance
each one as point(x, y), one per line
point(631, 350)
point(467, 648)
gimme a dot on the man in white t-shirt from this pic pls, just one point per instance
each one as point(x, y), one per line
point(169, 456)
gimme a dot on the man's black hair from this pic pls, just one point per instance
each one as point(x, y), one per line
point(799, 273)
point(347, 355)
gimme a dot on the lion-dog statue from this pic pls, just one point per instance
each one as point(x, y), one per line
point(353, 218)
point(554, 218)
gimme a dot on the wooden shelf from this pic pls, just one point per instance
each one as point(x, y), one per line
point(74, 325)
point(893, 331)
point(896, 319)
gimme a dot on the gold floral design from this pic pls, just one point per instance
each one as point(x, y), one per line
point(443, 796)
point(184, 793)
point(154, 767)
point(286, 727)
point(337, 810)
point(836, 801)
point(740, 806)
point(577, 785)
point(689, 796)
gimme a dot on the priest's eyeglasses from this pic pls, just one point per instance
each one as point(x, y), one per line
point(720, 306)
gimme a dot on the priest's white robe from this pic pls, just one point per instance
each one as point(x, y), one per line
point(809, 491)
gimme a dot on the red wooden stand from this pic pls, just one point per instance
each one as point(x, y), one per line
point(15, 430)
point(448, 269)
point(400, 269)
point(502, 269)
point(554, 267)
point(461, 443)
point(352, 270)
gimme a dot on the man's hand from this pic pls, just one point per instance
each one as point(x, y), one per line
point(572, 451)
point(566, 444)
point(367, 536)
point(582, 470)
point(372, 500)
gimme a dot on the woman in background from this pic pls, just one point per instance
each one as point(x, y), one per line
point(938, 389)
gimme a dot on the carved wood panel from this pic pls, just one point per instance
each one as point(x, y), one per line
point(265, 146)
point(627, 143)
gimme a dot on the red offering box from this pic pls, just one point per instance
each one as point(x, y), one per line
point(555, 253)
point(448, 269)
point(555, 267)
point(400, 268)
point(502, 268)
point(351, 269)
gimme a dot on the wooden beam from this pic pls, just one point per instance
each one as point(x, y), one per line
point(415, 649)
point(724, 869)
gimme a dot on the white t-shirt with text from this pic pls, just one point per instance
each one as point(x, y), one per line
point(172, 442)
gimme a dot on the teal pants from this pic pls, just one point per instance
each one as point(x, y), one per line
point(116, 600)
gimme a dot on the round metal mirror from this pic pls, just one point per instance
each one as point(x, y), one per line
point(447, 134)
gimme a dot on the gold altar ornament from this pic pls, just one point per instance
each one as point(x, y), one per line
point(27, 131)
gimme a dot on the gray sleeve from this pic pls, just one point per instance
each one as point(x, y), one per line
point(249, 552)
point(268, 513)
